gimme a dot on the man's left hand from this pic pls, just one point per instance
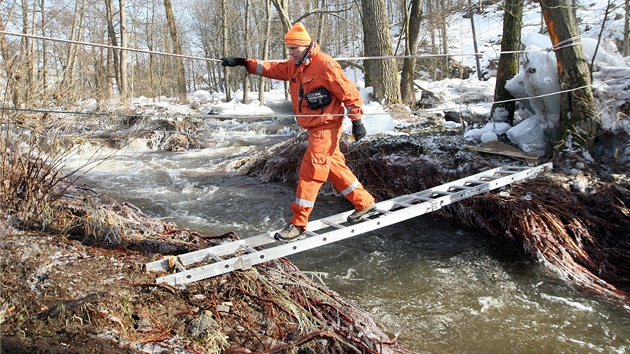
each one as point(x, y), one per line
point(358, 130)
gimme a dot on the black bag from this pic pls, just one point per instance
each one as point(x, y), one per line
point(318, 98)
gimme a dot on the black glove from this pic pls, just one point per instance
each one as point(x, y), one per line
point(232, 61)
point(358, 130)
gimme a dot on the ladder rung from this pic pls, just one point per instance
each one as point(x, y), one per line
point(178, 265)
point(333, 224)
point(475, 181)
point(519, 168)
point(402, 204)
point(415, 198)
point(458, 188)
point(424, 199)
point(311, 233)
point(384, 212)
point(490, 177)
point(248, 249)
point(213, 256)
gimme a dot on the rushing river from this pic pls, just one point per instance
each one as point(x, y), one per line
point(434, 285)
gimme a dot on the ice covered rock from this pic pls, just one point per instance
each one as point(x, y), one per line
point(488, 136)
point(202, 96)
point(489, 132)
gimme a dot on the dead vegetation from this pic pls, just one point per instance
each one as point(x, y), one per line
point(78, 283)
point(583, 237)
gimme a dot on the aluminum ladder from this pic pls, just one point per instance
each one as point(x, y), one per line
point(245, 253)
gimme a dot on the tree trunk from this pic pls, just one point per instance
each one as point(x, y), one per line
point(226, 71)
point(508, 61)
point(474, 38)
point(282, 6)
point(113, 54)
point(247, 39)
point(44, 68)
point(67, 82)
point(626, 28)
point(382, 73)
point(444, 36)
point(265, 50)
point(10, 68)
point(578, 117)
point(123, 85)
point(407, 89)
point(177, 49)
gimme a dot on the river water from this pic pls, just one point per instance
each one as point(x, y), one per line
point(434, 285)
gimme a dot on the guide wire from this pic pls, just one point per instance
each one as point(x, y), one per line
point(570, 42)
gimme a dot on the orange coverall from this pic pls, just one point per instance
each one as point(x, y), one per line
point(323, 160)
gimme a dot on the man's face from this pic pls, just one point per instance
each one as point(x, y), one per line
point(297, 53)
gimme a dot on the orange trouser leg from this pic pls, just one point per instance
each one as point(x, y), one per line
point(347, 183)
point(323, 160)
point(313, 173)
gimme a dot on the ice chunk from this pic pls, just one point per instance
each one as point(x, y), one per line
point(373, 123)
point(488, 136)
point(530, 135)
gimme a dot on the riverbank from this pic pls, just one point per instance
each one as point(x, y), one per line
point(72, 292)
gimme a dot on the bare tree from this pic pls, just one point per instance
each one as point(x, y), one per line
point(10, 67)
point(508, 61)
point(68, 76)
point(382, 74)
point(265, 50)
point(282, 6)
point(123, 88)
point(224, 31)
point(578, 117)
point(411, 48)
point(177, 49)
point(113, 54)
point(247, 44)
point(626, 28)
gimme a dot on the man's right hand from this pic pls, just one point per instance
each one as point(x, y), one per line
point(232, 61)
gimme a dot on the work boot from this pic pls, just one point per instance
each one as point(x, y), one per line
point(360, 215)
point(290, 233)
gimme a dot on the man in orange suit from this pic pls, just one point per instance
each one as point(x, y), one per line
point(321, 93)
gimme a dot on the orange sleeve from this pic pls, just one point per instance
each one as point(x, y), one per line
point(345, 91)
point(272, 70)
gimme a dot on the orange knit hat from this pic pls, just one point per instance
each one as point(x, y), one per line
point(297, 35)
